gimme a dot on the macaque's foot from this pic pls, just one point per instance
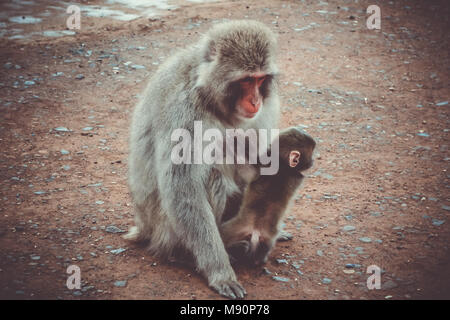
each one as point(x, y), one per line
point(229, 288)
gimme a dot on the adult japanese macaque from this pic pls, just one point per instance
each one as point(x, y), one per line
point(250, 236)
point(226, 80)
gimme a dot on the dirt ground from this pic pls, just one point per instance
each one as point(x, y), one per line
point(375, 100)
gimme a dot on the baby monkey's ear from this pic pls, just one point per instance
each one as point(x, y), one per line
point(294, 158)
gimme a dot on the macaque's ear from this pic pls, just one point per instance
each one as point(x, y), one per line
point(294, 158)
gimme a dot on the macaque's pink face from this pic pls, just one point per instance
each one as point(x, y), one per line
point(251, 99)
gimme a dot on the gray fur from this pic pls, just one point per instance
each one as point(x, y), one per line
point(180, 206)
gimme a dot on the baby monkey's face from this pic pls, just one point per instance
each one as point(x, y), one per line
point(253, 252)
point(296, 148)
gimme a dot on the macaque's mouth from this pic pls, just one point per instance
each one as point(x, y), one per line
point(248, 115)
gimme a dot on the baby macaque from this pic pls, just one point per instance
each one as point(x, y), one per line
point(250, 236)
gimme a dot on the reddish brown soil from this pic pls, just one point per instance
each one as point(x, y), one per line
point(357, 91)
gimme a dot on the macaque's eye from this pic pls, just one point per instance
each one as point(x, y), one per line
point(261, 80)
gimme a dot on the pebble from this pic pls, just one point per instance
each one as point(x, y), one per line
point(348, 271)
point(29, 83)
point(87, 128)
point(348, 228)
point(79, 76)
point(423, 134)
point(64, 152)
point(113, 229)
point(61, 129)
point(443, 103)
point(444, 207)
point(120, 283)
point(437, 222)
point(375, 214)
point(285, 236)
point(282, 261)
point(326, 281)
point(117, 251)
point(365, 239)
point(282, 279)
point(352, 265)
point(137, 66)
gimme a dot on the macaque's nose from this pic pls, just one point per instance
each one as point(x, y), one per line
point(255, 101)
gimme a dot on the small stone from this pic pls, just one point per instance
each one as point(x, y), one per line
point(348, 271)
point(326, 281)
point(120, 283)
point(113, 229)
point(61, 129)
point(443, 103)
point(99, 202)
point(437, 222)
point(348, 228)
point(64, 152)
point(282, 261)
point(352, 265)
point(423, 134)
point(33, 257)
point(365, 239)
point(444, 207)
point(66, 167)
point(137, 66)
point(29, 83)
point(87, 128)
point(285, 236)
point(281, 279)
point(79, 76)
point(320, 253)
point(40, 192)
point(117, 251)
